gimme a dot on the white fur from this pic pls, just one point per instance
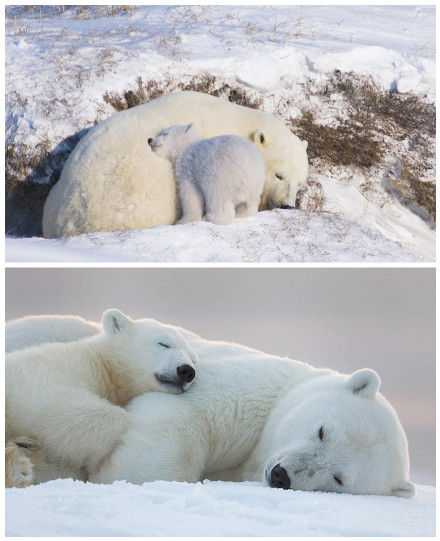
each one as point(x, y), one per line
point(248, 411)
point(34, 330)
point(67, 397)
point(217, 178)
point(112, 180)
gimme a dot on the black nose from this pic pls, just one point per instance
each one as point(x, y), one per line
point(150, 140)
point(186, 373)
point(279, 478)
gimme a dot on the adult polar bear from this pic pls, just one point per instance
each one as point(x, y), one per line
point(112, 180)
point(250, 416)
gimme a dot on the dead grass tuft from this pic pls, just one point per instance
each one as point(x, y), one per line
point(206, 83)
point(311, 198)
point(374, 127)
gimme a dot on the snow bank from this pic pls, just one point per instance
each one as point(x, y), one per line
point(69, 508)
point(271, 236)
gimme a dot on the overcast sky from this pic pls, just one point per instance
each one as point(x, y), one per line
point(343, 319)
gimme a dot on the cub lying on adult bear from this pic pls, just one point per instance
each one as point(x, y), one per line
point(217, 178)
point(67, 398)
point(250, 416)
point(112, 182)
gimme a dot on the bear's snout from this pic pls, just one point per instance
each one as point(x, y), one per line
point(186, 373)
point(279, 478)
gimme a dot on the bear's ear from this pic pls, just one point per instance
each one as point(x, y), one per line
point(259, 138)
point(405, 489)
point(114, 321)
point(364, 382)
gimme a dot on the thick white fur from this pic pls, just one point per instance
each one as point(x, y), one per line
point(112, 180)
point(248, 411)
point(65, 399)
point(217, 178)
point(36, 330)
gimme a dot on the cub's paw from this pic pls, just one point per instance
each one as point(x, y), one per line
point(18, 467)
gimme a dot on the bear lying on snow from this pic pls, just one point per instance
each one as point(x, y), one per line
point(112, 181)
point(64, 399)
point(217, 178)
point(250, 416)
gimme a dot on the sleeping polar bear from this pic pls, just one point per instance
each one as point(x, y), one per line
point(250, 416)
point(112, 181)
point(66, 398)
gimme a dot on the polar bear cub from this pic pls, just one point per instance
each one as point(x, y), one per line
point(217, 178)
point(67, 397)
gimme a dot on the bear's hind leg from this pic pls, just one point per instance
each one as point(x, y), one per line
point(246, 209)
point(220, 213)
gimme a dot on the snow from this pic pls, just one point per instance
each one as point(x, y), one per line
point(71, 508)
point(273, 51)
point(276, 236)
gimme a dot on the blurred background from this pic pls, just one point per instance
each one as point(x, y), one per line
point(344, 319)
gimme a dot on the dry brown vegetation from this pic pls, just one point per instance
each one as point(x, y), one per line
point(206, 83)
point(374, 127)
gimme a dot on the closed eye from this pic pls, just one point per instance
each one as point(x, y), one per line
point(338, 480)
point(164, 345)
point(321, 433)
point(280, 177)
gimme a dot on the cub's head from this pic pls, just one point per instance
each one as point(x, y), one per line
point(170, 142)
point(341, 435)
point(156, 354)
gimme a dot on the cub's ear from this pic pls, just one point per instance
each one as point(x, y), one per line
point(405, 489)
point(259, 138)
point(364, 382)
point(114, 321)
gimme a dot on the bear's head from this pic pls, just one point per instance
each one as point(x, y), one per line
point(156, 356)
point(170, 142)
point(285, 158)
point(338, 434)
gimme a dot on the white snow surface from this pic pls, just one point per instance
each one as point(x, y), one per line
point(58, 66)
point(272, 236)
point(66, 508)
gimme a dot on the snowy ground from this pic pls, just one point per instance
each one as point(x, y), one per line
point(59, 65)
point(275, 236)
point(67, 508)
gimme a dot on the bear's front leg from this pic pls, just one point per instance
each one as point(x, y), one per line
point(192, 201)
point(82, 430)
point(18, 467)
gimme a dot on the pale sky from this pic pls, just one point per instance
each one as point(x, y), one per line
point(343, 319)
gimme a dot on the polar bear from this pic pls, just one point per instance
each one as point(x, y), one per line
point(250, 416)
point(30, 331)
point(217, 178)
point(109, 182)
point(64, 399)
point(255, 417)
